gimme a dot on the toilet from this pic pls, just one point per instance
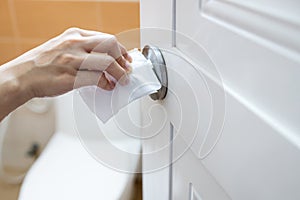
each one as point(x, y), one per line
point(67, 169)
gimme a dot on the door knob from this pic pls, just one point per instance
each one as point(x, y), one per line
point(160, 69)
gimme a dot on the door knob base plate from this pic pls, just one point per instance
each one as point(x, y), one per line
point(153, 54)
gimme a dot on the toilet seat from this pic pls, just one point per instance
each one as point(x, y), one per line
point(65, 170)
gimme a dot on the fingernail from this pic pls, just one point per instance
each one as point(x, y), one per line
point(128, 67)
point(130, 58)
point(112, 84)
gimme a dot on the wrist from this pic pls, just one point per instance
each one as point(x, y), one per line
point(15, 90)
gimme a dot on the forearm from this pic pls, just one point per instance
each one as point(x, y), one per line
point(14, 90)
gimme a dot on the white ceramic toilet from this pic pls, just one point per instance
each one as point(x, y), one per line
point(67, 169)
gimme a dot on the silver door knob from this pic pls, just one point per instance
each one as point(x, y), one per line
point(160, 69)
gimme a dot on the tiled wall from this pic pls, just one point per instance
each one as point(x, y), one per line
point(27, 23)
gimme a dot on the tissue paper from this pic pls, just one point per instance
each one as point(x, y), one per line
point(143, 81)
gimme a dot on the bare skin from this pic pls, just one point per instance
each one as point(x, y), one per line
point(74, 59)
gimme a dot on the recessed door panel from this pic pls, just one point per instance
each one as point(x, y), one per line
point(189, 172)
point(256, 52)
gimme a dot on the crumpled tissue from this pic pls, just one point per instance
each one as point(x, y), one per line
point(143, 81)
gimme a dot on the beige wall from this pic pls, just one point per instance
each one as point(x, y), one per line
point(27, 23)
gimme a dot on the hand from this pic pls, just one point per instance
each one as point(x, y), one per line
point(73, 59)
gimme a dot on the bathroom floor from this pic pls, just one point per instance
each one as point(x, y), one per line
point(8, 191)
point(138, 194)
point(11, 192)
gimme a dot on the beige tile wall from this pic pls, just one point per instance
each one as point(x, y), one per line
point(27, 23)
point(6, 26)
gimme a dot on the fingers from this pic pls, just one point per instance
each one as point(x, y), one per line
point(87, 78)
point(125, 53)
point(98, 52)
point(108, 44)
point(103, 44)
point(103, 62)
point(118, 73)
point(124, 64)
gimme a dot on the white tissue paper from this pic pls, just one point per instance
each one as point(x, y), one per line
point(143, 81)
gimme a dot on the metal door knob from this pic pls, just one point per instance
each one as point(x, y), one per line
point(159, 67)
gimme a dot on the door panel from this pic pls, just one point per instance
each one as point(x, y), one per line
point(252, 160)
point(189, 172)
point(233, 69)
point(188, 110)
point(257, 67)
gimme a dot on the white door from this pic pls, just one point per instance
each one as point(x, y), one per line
point(229, 127)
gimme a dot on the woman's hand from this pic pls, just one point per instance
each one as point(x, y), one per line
point(73, 59)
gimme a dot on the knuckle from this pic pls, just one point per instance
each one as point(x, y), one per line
point(66, 59)
point(112, 40)
point(122, 47)
point(72, 30)
point(67, 43)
